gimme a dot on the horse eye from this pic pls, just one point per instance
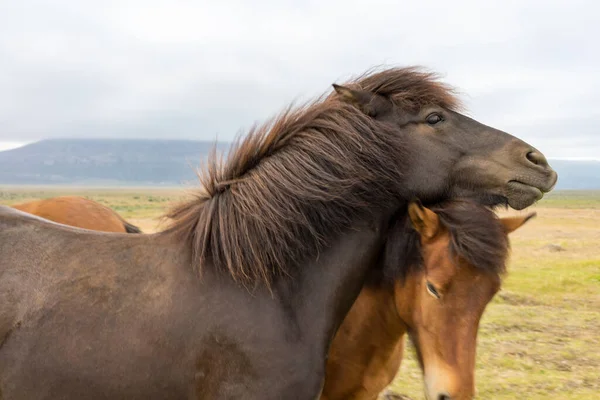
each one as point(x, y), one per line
point(434, 118)
point(432, 290)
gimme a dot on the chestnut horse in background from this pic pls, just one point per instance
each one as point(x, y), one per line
point(79, 212)
point(445, 264)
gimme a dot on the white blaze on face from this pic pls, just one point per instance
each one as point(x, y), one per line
point(437, 381)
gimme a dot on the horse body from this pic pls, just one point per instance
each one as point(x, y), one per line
point(79, 212)
point(136, 325)
point(241, 296)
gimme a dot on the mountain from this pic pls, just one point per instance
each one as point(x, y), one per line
point(577, 174)
point(164, 162)
point(104, 161)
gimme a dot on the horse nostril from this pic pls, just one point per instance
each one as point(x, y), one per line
point(443, 397)
point(537, 158)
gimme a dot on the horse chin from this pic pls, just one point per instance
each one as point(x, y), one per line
point(521, 195)
point(515, 195)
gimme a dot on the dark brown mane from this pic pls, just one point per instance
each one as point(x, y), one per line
point(409, 88)
point(476, 235)
point(291, 183)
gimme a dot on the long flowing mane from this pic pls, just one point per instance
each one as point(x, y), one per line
point(476, 235)
point(305, 175)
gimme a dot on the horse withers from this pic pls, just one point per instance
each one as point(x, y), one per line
point(441, 268)
point(241, 296)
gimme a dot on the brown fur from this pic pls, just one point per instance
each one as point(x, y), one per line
point(367, 350)
point(278, 196)
point(79, 212)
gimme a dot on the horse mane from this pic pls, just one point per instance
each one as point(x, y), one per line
point(309, 173)
point(476, 235)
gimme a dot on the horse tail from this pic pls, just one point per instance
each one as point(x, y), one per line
point(130, 228)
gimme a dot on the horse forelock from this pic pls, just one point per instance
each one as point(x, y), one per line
point(295, 181)
point(476, 235)
point(410, 88)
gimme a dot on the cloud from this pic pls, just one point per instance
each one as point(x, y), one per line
point(203, 69)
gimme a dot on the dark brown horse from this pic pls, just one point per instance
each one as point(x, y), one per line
point(447, 263)
point(242, 295)
point(79, 212)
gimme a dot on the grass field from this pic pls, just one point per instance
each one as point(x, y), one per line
point(539, 338)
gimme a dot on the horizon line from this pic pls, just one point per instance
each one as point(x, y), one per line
point(11, 145)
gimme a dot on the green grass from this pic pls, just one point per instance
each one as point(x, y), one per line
point(572, 199)
point(540, 336)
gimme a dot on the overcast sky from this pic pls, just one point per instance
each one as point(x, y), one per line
point(201, 70)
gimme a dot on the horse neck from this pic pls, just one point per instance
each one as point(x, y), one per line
point(371, 330)
point(327, 288)
point(380, 315)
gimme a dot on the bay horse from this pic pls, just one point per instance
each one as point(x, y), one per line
point(242, 294)
point(79, 212)
point(442, 266)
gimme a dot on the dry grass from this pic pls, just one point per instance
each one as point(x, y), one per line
point(539, 338)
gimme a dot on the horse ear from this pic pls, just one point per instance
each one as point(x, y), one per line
point(425, 221)
point(369, 103)
point(511, 224)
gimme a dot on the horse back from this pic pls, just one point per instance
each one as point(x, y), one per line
point(80, 212)
point(14, 242)
point(35, 254)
